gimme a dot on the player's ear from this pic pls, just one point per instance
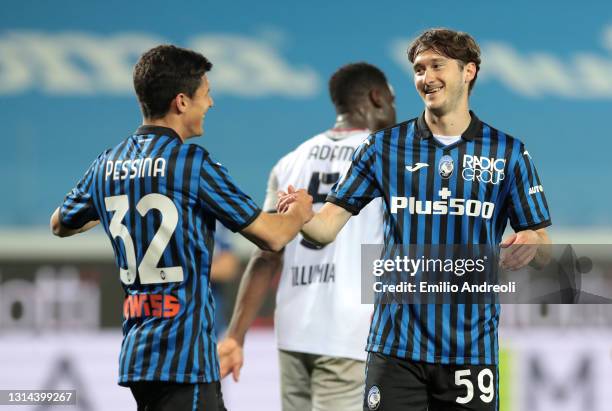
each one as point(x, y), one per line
point(181, 102)
point(469, 72)
point(376, 97)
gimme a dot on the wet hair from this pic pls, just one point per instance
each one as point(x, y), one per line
point(352, 82)
point(164, 72)
point(456, 45)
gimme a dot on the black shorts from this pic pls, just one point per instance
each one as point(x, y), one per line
point(168, 396)
point(393, 384)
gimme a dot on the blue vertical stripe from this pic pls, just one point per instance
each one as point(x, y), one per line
point(405, 316)
point(474, 332)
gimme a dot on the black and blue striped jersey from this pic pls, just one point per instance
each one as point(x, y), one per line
point(433, 194)
point(158, 200)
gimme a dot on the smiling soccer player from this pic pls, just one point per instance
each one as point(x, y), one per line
point(158, 200)
point(446, 178)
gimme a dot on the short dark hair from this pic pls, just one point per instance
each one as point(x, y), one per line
point(453, 44)
point(165, 71)
point(350, 83)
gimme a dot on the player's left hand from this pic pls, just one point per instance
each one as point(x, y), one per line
point(519, 249)
point(231, 358)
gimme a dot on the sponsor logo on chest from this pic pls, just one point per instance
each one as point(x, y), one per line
point(483, 169)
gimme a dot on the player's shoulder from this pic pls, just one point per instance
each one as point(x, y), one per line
point(497, 135)
point(514, 148)
point(395, 131)
point(192, 152)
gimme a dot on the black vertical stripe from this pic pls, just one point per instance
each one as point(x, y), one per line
point(173, 188)
point(507, 203)
point(400, 146)
point(400, 177)
point(456, 239)
point(486, 235)
point(477, 186)
point(191, 255)
point(431, 170)
point(117, 243)
point(99, 190)
point(524, 203)
point(531, 180)
point(442, 239)
point(414, 320)
point(169, 323)
point(426, 338)
point(485, 227)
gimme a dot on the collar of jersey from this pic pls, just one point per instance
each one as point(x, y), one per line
point(157, 130)
point(473, 130)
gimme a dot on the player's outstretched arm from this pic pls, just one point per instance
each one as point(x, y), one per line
point(254, 287)
point(526, 247)
point(324, 226)
point(62, 231)
point(271, 232)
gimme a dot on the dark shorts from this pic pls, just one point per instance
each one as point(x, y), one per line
point(393, 384)
point(168, 396)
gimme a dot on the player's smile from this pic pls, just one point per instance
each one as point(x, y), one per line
point(432, 91)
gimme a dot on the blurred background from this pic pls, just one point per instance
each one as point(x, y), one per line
point(66, 95)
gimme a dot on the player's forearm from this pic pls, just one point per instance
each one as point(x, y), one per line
point(252, 292)
point(271, 232)
point(319, 230)
point(323, 228)
point(289, 225)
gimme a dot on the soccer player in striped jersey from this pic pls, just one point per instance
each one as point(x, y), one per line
point(320, 325)
point(445, 178)
point(157, 200)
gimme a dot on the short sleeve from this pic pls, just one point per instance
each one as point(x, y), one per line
point(358, 186)
point(78, 208)
point(271, 190)
point(528, 206)
point(223, 198)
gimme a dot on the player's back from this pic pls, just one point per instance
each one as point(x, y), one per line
point(158, 200)
point(321, 286)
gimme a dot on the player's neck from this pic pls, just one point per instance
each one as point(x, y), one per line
point(169, 122)
point(351, 120)
point(448, 124)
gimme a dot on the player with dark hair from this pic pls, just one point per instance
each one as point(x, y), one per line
point(446, 178)
point(157, 200)
point(321, 326)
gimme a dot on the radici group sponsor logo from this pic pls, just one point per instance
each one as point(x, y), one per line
point(483, 169)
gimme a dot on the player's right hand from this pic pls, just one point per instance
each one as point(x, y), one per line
point(231, 358)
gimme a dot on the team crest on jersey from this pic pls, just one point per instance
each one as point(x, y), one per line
point(446, 166)
point(374, 398)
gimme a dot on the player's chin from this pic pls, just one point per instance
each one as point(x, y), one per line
point(434, 106)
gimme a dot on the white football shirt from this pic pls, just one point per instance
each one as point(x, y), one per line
point(318, 303)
